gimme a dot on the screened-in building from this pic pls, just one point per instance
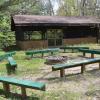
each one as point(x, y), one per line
point(33, 31)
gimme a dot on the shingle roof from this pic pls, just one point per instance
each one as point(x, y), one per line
point(37, 20)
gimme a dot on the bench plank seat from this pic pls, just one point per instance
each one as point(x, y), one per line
point(11, 65)
point(11, 61)
point(75, 64)
point(22, 83)
point(25, 83)
point(73, 48)
point(32, 52)
point(92, 52)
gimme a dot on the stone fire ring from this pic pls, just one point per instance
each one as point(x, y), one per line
point(55, 59)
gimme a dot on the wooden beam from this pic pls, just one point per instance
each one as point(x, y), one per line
point(99, 65)
point(92, 55)
point(23, 91)
point(6, 88)
point(84, 54)
point(82, 68)
point(62, 72)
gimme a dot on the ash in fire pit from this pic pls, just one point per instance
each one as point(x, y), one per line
point(55, 59)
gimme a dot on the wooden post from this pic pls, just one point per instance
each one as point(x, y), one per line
point(92, 55)
point(42, 54)
point(62, 72)
point(64, 50)
point(23, 91)
point(6, 88)
point(51, 52)
point(84, 54)
point(99, 65)
point(82, 68)
point(32, 56)
point(72, 50)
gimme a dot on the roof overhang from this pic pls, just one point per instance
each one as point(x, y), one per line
point(36, 22)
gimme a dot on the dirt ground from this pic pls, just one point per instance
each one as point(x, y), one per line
point(87, 84)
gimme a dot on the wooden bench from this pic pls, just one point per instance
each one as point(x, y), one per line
point(7, 81)
point(2, 57)
point(92, 52)
point(11, 65)
point(32, 52)
point(82, 63)
point(10, 53)
point(72, 48)
point(6, 55)
point(12, 62)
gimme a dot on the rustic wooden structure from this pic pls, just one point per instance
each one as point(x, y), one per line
point(53, 30)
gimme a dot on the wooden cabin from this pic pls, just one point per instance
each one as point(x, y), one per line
point(35, 31)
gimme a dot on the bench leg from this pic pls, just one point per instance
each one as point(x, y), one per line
point(99, 65)
point(51, 53)
point(84, 54)
point(92, 55)
point(6, 88)
point(32, 56)
point(23, 91)
point(64, 50)
point(42, 54)
point(72, 50)
point(62, 72)
point(82, 69)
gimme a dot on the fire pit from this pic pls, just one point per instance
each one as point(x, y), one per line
point(55, 59)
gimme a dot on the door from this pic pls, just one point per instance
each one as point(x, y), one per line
point(55, 38)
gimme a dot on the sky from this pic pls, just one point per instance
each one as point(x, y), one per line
point(55, 5)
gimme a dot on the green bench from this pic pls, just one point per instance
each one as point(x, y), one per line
point(10, 53)
point(6, 55)
point(33, 52)
point(7, 81)
point(2, 57)
point(72, 48)
point(12, 62)
point(72, 64)
point(11, 65)
point(92, 52)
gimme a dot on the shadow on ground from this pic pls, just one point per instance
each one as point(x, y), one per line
point(15, 96)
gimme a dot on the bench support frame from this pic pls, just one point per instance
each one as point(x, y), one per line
point(92, 55)
point(82, 68)
point(23, 91)
point(62, 72)
point(6, 88)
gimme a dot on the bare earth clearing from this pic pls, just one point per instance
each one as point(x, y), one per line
point(85, 87)
point(74, 86)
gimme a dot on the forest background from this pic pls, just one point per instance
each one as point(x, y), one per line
point(41, 7)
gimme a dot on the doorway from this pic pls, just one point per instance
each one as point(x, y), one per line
point(55, 37)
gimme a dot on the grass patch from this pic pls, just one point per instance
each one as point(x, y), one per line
point(30, 69)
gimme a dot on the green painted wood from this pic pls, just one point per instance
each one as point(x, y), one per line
point(6, 55)
point(74, 64)
point(24, 83)
point(90, 51)
point(10, 53)
point(2, 57)
point(42, 51)
point(11, 61)
point(73, 47)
